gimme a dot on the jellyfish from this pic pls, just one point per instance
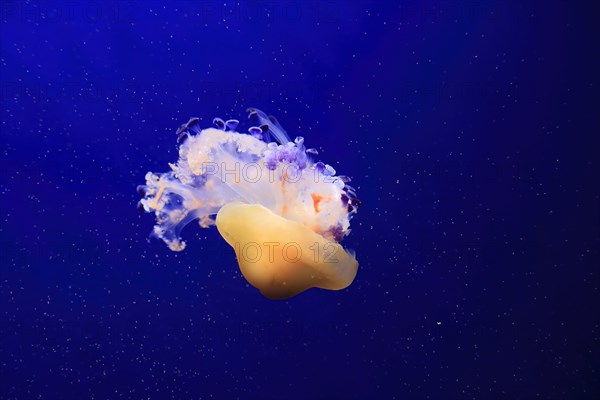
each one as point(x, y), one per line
point(282, 212)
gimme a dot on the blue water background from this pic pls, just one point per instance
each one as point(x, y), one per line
point(470, 130)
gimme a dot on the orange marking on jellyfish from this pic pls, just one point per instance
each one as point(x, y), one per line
point(206, 221)
point(197, 203)
point(284, 206)
point(154, 202)
point(316, 200)
point(160, 192)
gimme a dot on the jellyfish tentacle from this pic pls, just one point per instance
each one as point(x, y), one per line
point(270, 123)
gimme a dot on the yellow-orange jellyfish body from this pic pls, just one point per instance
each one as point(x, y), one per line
point(282, 258)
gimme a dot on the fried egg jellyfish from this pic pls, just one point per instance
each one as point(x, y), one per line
point(282, 212)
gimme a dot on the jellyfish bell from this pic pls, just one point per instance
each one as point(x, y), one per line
point(280, 257)
point(282, 212)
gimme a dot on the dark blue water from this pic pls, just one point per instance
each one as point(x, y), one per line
point(470, 130)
